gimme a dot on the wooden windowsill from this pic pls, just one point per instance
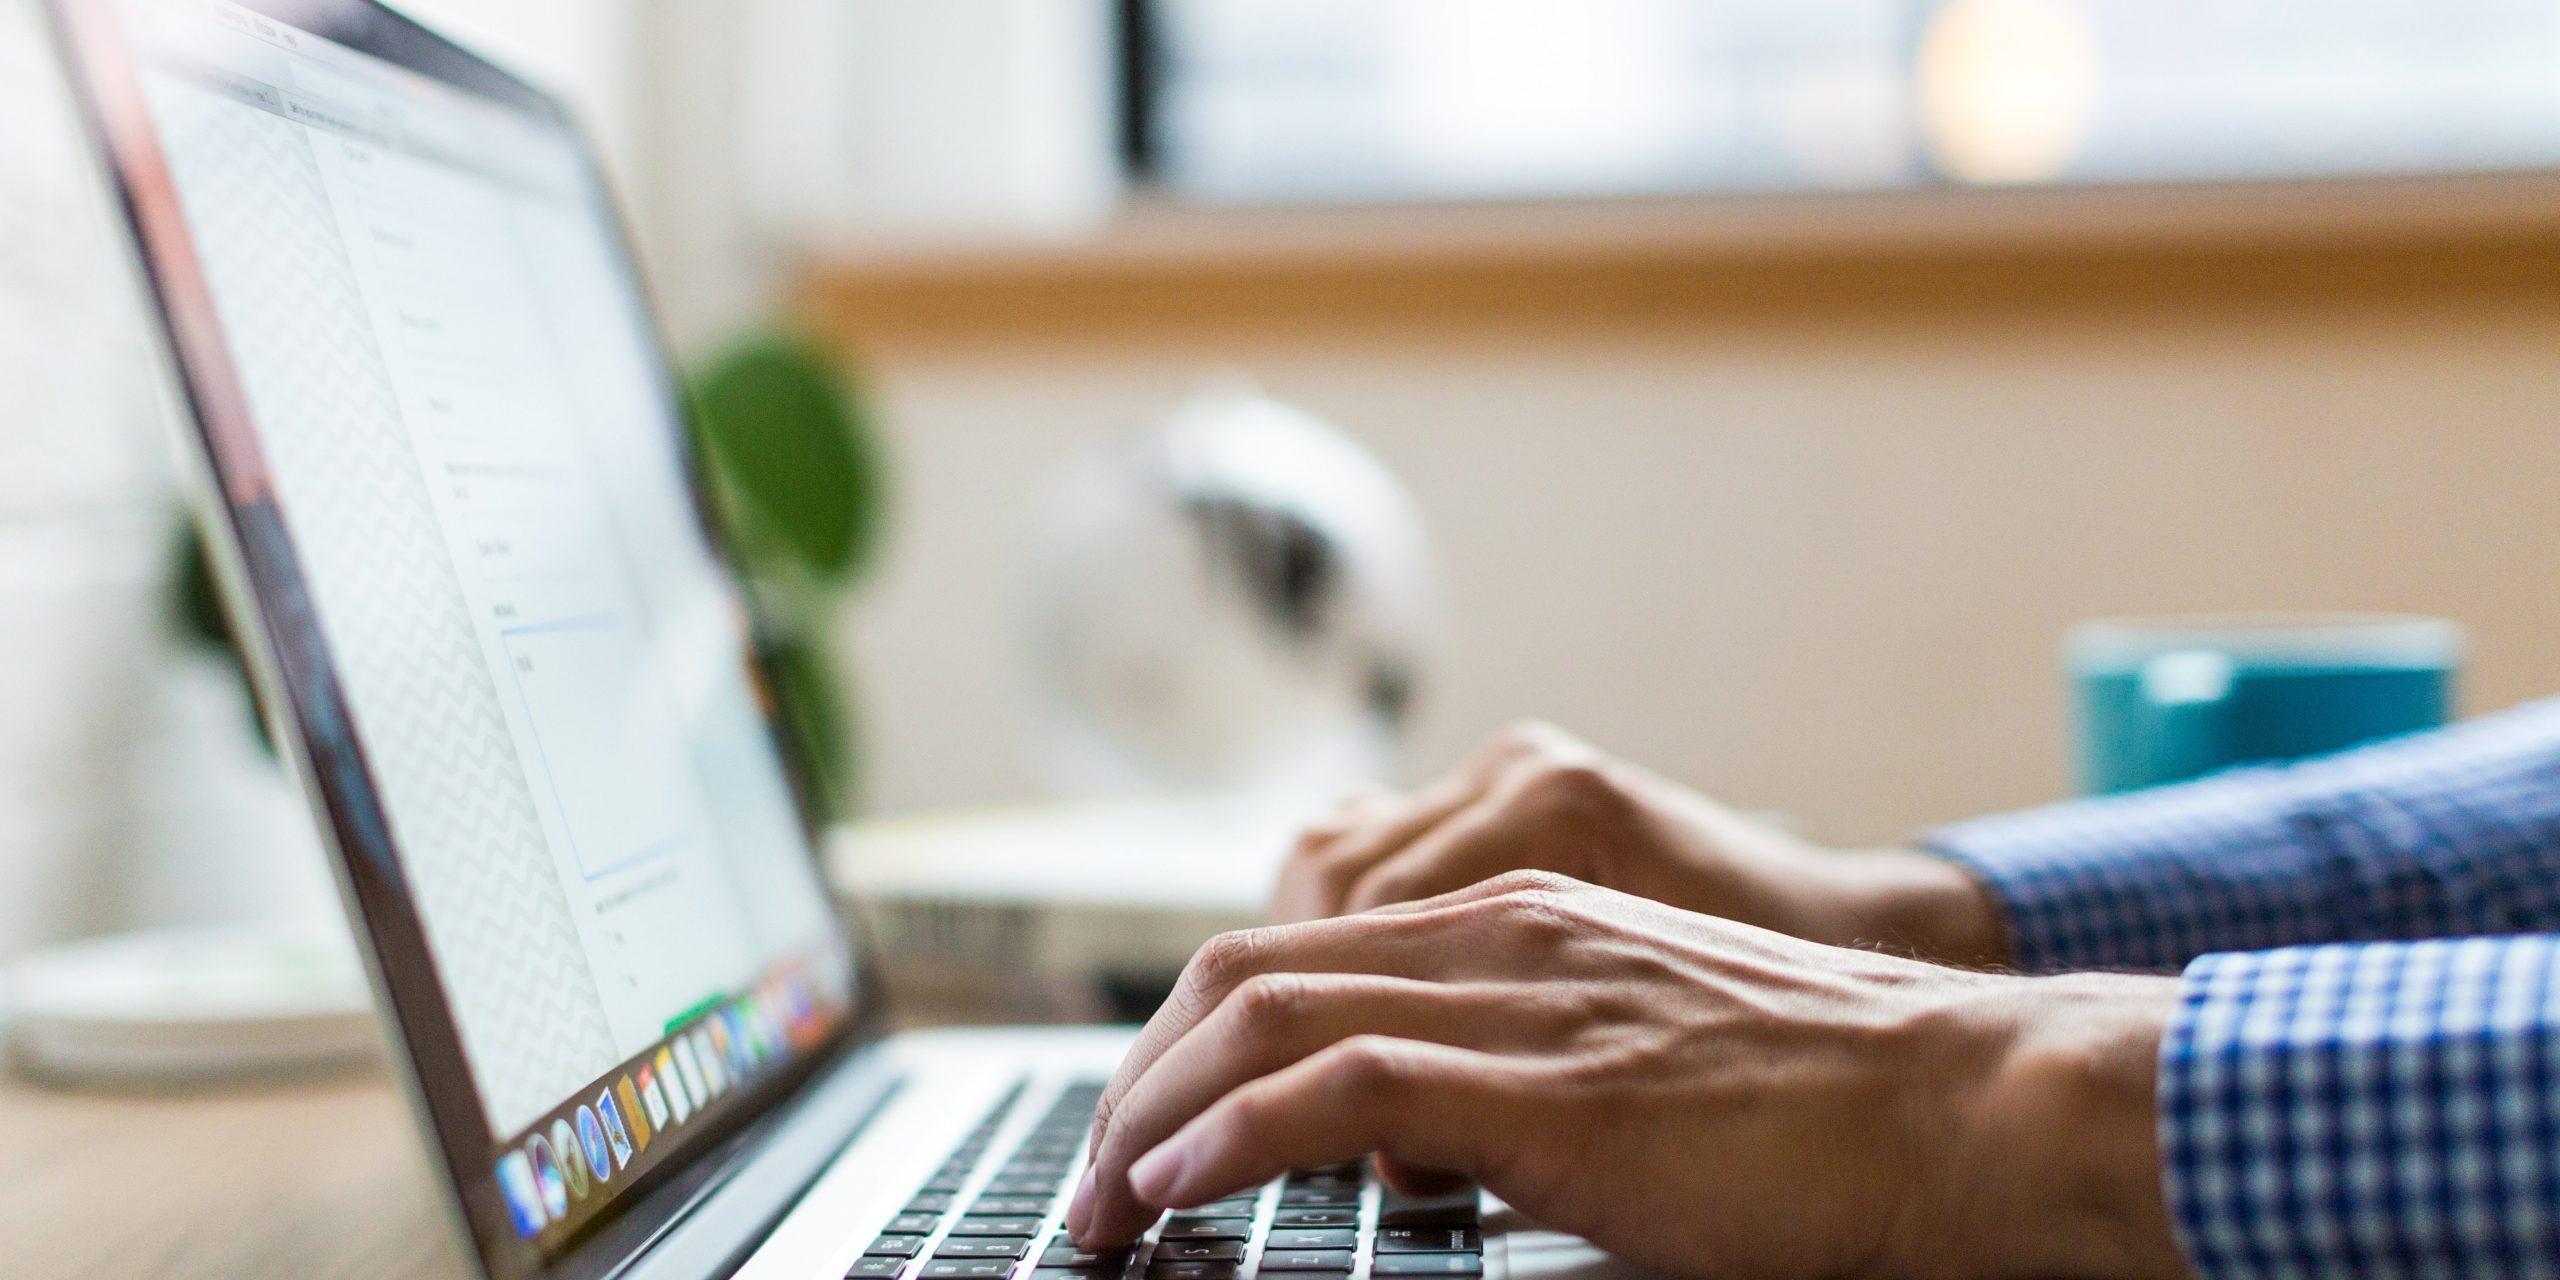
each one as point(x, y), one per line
point(1163, 268)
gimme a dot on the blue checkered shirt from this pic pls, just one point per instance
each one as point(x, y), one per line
point(2363, 1076)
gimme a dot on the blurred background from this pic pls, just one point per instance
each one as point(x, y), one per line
point(1764, 386)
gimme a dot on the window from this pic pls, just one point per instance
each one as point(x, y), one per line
point(1381, 100)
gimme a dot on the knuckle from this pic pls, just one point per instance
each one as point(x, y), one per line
point(1227, 957)
point(1572, 786)
point(1544, 917)
point(1530, 881)
point(1366, 1067)
point(1267, 1000)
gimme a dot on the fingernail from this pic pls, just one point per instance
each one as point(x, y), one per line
point(1080, 1209)
point(1156, 1173)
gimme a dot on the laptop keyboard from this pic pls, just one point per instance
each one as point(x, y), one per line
point(1333, 1223)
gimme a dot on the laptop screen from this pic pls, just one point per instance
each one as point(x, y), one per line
point(444, 429)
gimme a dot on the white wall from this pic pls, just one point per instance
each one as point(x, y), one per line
point(1816, 567)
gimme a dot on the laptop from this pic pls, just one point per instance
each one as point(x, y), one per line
point(443, 466)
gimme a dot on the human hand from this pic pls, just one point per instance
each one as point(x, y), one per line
point(1537, 798)
point(1698, 1096)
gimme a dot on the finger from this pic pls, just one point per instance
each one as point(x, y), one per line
point(1319, 880)
point(1272, 1021)
point(1420, 1104)
point(1390, 946)
point(1415, 1180)
point(1497, 833)
point(1363, 805)
point(1539, 815)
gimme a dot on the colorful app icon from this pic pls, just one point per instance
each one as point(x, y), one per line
point(632, 1114)
point(715, 1073)
point(591, 1140)
point(547, 1178)
point(524, 1199)
point(766, 1027)
point(721, 1045)
point(615, 1131)
point(742, 1046)
point(767, 1012)
point(573, 1157)
point(651, 1100)
point(678, 1101)
point(691, 1070)
point(800, 1015)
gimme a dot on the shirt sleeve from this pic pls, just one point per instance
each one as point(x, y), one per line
point(2443, 834)
point(2380, 1109)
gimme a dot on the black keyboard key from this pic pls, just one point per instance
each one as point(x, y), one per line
point(1457, 1209)
point(1427, 1264)
point(1068, 1273)
point(936, 1203)
point(1343, 1217)
point(1006, 1247)
point(1207, 1229)
point(1064, 1253)
point(871, 1268)
point(1338, 1260)
point(1199, 1251)
point(968, 1269)
point(913, 1224)
point(1231, 1207)
point(983, 1225)
point(1193, 1270)
point(1012, 1206)
point(895, 1247)
point(1429, 1240)
point(1318, 1197)
point(1297, 1238)
point(947, 1183)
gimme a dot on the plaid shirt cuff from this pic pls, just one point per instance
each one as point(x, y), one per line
point(2446, 834)
point(2148, 880)
point(2381, 1109)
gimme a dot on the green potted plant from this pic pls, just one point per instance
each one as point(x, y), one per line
point(799, 481)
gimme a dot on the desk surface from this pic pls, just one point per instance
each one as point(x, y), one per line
point(322, 1180)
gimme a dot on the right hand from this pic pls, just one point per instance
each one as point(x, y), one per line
point(1699, 1097)
point(1538, 799)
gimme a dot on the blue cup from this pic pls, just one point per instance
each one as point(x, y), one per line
point(2167, 699)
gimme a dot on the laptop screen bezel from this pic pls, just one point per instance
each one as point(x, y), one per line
point(298, 685)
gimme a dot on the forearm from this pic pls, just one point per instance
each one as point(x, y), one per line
point(2441, 835)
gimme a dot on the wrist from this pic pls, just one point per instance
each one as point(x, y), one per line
point(1924, 905)
point(2056, 1167)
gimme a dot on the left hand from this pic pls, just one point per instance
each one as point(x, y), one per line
point(1698, 1096)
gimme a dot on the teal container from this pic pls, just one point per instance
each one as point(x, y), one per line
point(2163, 700)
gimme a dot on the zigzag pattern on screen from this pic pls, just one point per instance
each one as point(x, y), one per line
point(354, 493)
